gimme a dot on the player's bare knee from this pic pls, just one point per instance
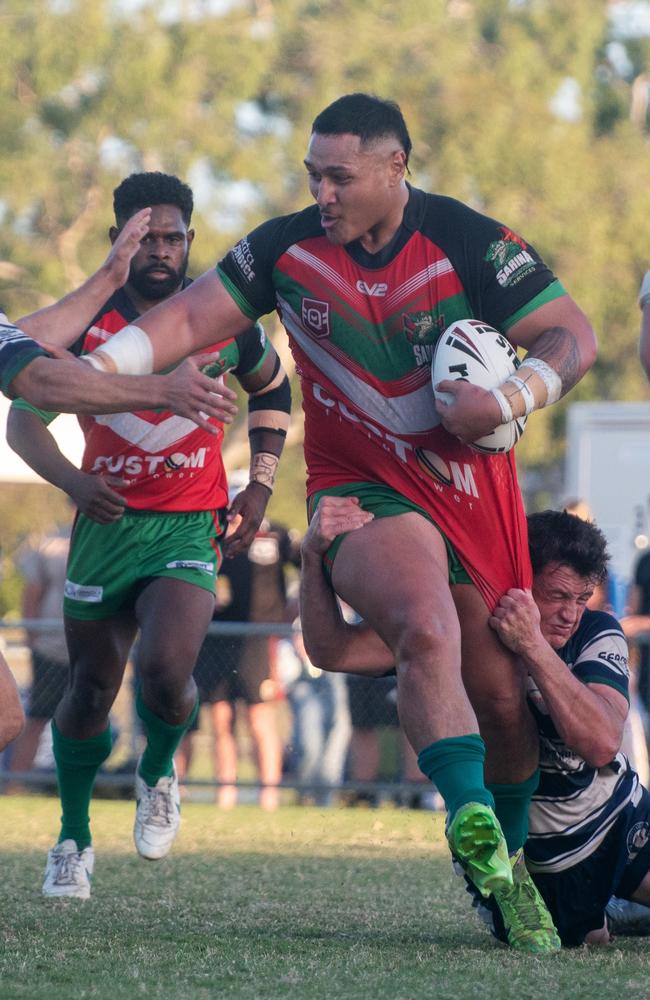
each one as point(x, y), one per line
point(12, 724)
point(91, 699)
point(503, 712)
point(428, 646)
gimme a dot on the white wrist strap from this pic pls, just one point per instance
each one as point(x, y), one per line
point(526, 392)
point(129, 352)
point(644, 291)
point(504, 405)
point(549, 377)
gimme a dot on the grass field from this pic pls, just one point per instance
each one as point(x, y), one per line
point(305, 903)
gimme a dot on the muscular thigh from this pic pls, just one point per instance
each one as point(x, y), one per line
point(491, 673)
point(394, 573)
point(173, 616)
point(99, 650)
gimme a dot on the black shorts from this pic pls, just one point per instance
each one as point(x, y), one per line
point(49, 680)
point(577, 897)
point(372, 702)
point(232, 667)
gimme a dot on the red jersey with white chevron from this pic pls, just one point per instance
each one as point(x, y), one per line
point(167, 461)
point(363, 328)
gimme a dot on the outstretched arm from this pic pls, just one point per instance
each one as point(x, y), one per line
point(202, 315)
point(331, 643)
point(72, 386)
point(67, 384)
point(61, 323)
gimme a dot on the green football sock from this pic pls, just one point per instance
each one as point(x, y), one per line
point(162, 742)
point(511, 804)
point(77, 764)
point(455, 766)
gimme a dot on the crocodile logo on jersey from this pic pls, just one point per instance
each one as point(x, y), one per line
point(316, 317)
point(511, 259)
point(420, 328)
point(422, 331)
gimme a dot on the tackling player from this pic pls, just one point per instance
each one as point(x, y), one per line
point(147, 542)
point(364, 282)
point(590, 817)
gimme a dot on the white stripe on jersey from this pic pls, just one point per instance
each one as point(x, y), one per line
point(607, 647)
point(147, 436)
point(411, 413)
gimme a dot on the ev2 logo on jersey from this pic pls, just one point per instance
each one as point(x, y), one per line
point(377, 290)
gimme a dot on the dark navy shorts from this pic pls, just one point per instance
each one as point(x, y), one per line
point(577, 897)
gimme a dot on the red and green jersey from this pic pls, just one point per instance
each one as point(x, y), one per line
point(363, 328)
point(168, 462)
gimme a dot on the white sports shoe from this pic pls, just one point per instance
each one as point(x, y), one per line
point(68, 870)
point(157, 816)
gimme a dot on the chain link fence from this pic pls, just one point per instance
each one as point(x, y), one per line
point(337, 736)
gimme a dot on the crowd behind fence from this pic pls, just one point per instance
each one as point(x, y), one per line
point(339, 735)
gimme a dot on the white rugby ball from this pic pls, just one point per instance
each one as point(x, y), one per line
point(474, 351)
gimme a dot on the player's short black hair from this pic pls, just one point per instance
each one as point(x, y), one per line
point(364, 115)
point(155, 188)
point(555, 536)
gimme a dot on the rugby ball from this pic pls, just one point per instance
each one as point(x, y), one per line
point(475, 352)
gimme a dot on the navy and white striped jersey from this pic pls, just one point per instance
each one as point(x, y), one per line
point(575, 804)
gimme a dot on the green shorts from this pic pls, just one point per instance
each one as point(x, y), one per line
point(110, 563)
point(383, 501)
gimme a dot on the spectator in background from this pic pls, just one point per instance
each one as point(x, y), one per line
point(373, 708)
point(637, 622)
point(231, 668)
point(317, 750)
point(43, 567)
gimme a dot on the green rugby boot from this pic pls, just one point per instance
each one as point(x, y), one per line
point(528, 923)
point(476, 840)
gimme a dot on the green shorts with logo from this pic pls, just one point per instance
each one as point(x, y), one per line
point(382, 501)
point(109, 564)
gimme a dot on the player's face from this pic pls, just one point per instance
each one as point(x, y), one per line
point(358, 188)
point(561, 595)
point(159, 266)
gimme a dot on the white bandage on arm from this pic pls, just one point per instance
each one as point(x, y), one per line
point(505, 407)
point(528, 396)
point(549, 377)
point(129, 352)
point(644, 291)
point(533, 386)
point(264, 466)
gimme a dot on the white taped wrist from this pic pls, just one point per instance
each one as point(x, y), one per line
point(530, 402)
point(96, 362)
point(504, 406)
point(549, 377)
point(644, 291)
point(130, 352)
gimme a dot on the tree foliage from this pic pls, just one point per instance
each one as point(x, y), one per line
point(533, 111)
